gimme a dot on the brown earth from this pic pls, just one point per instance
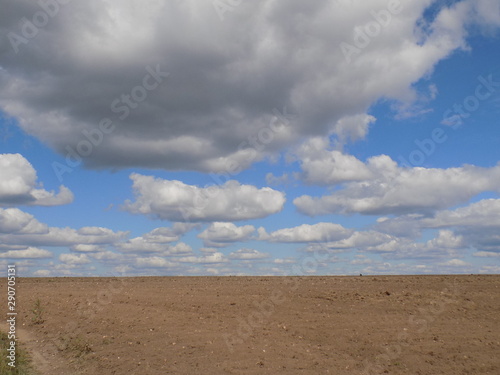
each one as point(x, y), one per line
point(262, 325)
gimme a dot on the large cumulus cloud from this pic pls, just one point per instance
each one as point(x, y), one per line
point(226, 78)
point(176, 201)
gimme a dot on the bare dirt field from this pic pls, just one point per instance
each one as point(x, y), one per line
point(261, 325)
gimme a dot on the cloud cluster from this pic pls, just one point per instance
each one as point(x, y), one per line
point(166, 234)
point(26, 253)
point(445, 244)
point(475, 226)
point(177, 201)
point(485, 213)
point(19, 228)
point(89, 63)
point(15, 221)
point(381, 187)
point(221, 234)
point(166, 85)
point(478, 223)
point(321, 232)
point(143, 245)
point(74, 259)
point(426, 193)
point(248, 254)
point(18, 185)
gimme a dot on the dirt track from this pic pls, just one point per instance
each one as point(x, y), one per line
point(264, 325)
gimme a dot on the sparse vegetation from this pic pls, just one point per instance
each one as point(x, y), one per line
point(79, 346)
point(23, 365)
point(37, 312)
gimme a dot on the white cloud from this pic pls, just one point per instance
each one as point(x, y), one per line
point(208, 249)
point(487, 12)
point(176, 201)
point(490, 269)
point(485, 213)
point(361, 240)
point(240, 88)
point(353, 128)
point(398, 190)
point(74, 259)
point(320, 232)
point(164, 234)
point(19, 184)
point(446, 239)
point(66, 237)
point(444, 245)
point(478, 223)
point(455, 263)
point(248, 254)
point(86, 248)
point(30, 252)
point(323, 167)
point(213, 271)
point(285, 261)
point(145, 245)
point(475, 226)
point(205, 259)
point(281, 65)
point(20, 228)
point(154, 262)
point(95, 232)
point(13, 220)
point(159, 241)
point(404, 225)
point(220, 234)
point(42, 273)
point(106, 255)
point(361, 260)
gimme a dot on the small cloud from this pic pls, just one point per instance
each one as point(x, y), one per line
point(248, 254)
point(455, 263)
point(74, 259)
point(206, 259)
point(220, 234)
point(154, 262)
point(30, 252)
point(18, 185)
point(285, 261)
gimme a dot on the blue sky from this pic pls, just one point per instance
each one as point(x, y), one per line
point(265, 138)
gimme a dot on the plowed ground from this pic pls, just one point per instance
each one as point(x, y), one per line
point(262, 325)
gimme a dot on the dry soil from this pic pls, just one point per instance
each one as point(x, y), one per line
point(262, 325)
